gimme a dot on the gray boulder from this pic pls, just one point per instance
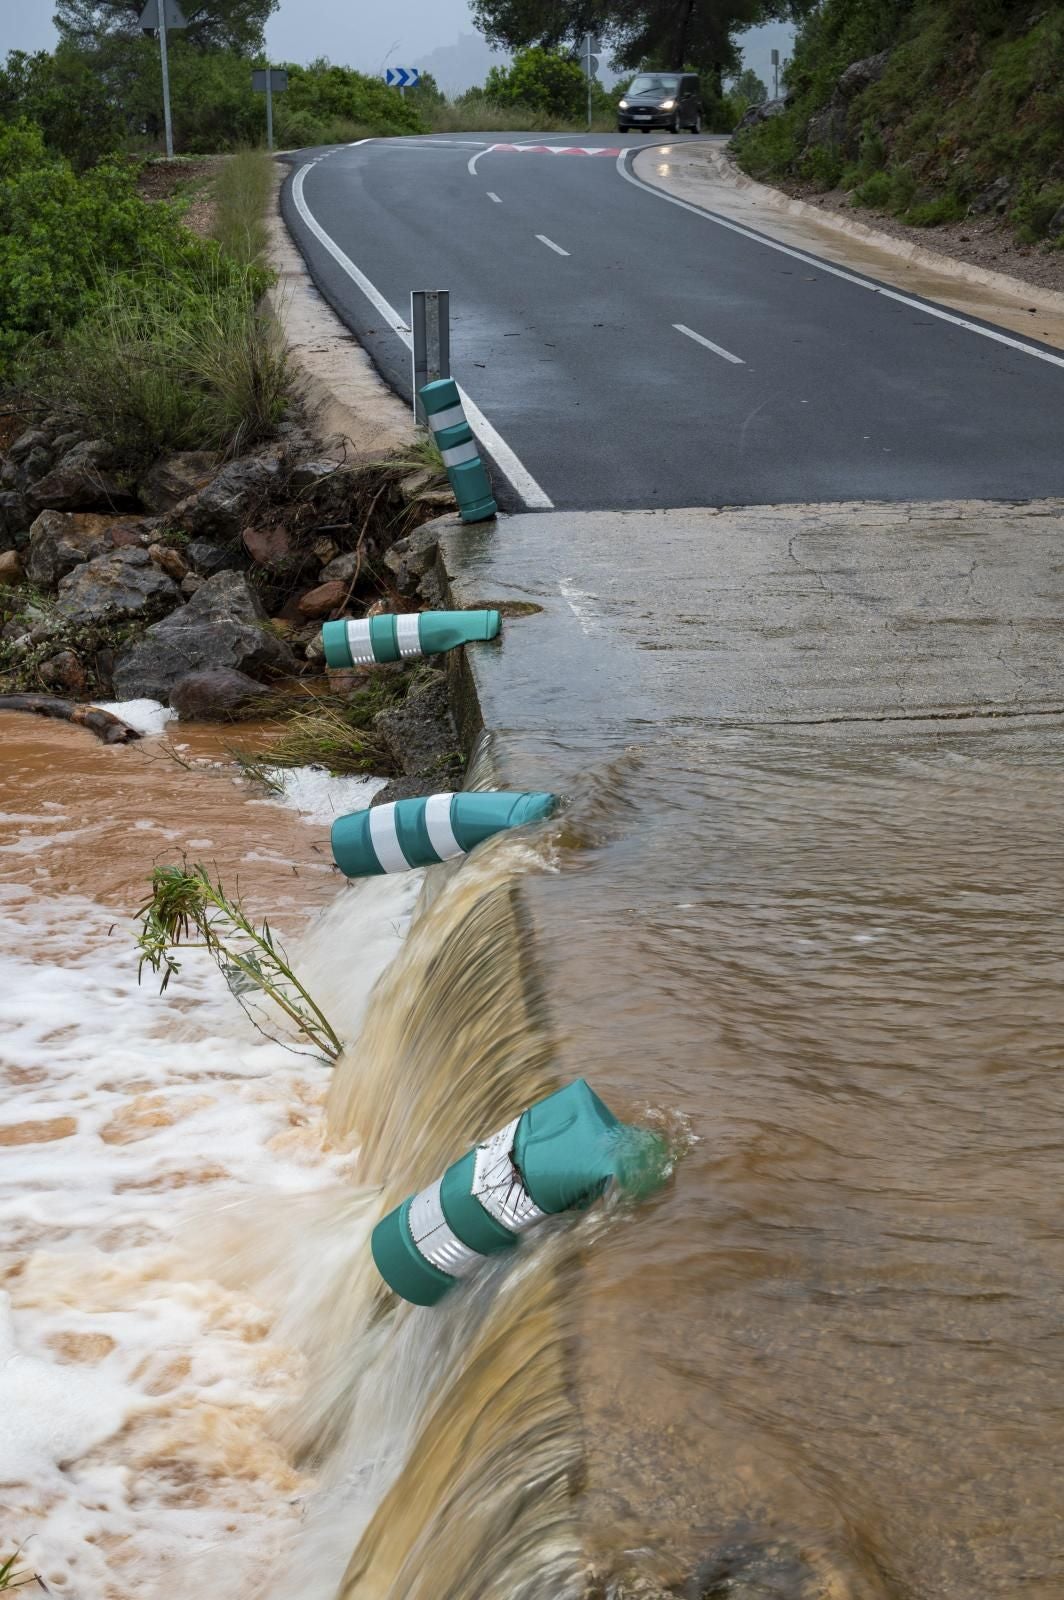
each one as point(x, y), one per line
point(995, 197)
point(207, 558)
point(753, 115)
point(223, 625)
point(61, 540)
point(78, 481)
point(32, 439)
point(217, 695)
point(175, 477)
point(830, 127)
point(420, 737)
point(225, 505)
point(14, 518)
point(116, 587)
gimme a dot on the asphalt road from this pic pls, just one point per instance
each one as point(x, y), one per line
point(626, 351)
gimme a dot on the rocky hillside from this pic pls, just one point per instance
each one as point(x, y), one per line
point(929, 110)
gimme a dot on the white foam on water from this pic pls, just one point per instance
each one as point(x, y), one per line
point(319, 796)
point(147, 716)
point(136, 1387)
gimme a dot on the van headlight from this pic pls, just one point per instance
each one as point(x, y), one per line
point(667, 105)
point(622, 105)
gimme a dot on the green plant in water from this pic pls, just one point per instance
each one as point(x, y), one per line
point(13, 1577)
point(187, 909)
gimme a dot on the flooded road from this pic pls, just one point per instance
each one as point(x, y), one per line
point(837, 1335)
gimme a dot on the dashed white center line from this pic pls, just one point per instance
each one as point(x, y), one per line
point(542, 237)
point(717, 349)
point(494, 197)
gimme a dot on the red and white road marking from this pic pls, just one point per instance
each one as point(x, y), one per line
point(554, 149)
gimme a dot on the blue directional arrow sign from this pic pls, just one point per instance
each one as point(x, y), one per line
point(403, 77)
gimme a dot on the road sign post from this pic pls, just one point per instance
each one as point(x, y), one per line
point(430, 326)
point(776, 71)
point(402, 78)
point(157, 17)
point(589, 62)
point(269, 81)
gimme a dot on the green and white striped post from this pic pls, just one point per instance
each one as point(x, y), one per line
point(558, 1156)
point(393, 637)
point(419, 833)
point(454, 436)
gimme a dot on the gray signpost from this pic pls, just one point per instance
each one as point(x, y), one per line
point(157, 17)
point(776, 71)
point(589, 61)
point(269, 81)
point(430, 312)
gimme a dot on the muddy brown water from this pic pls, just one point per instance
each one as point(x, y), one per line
point(825, 1362)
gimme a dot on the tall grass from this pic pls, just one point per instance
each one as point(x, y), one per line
point(157, 366)
point(242, 193)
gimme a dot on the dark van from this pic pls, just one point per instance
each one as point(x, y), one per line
point(661, 100)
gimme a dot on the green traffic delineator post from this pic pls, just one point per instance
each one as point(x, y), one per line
point(454, 437)
point(399, 637)
point(559, 1155)
point(418, 833)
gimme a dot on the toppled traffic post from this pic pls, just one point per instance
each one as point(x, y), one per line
point(559, 1155)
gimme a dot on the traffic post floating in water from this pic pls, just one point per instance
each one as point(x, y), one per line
point(452, 433)
point(418, 833)
point(559, 1155)
point(393, 637)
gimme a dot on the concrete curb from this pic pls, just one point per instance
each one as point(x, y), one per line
point(758, 205)
point(345, 399)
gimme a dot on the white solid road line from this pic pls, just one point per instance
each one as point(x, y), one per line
point(718, 349)
point(522, 481)
point(840, 272)
point(494, 197)
point(542, 237)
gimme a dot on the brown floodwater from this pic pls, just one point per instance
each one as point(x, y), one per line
point(824, 1363)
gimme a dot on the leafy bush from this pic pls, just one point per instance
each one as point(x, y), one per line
point(822, 166)
point(62, 234)
point(543, 80)
point(1035, 207)
point(323, 97)
point(65, 99)
point(932, 213)
point(875, 191)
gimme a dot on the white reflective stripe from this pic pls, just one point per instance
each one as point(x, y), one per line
point(438, 824)
point(384, 837)
point(498, 1187)
point(408, 635)
point(459, 453)
point(447, 419)
point(434, 1239)
point(358, 642)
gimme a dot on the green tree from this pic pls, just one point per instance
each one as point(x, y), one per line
point(212, 24)
point(67, 101)
point(671, 34)
point(749, 89)
point(542, 79)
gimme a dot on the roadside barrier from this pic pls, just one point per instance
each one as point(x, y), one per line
point(394, 637)
point(559, 1155)
point(452, 433)
point(418, 833)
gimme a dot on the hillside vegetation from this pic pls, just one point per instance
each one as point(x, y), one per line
point(956, 106)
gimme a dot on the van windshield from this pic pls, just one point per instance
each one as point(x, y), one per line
point(654, 83)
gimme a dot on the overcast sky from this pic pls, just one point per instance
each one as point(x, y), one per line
point(357, 33)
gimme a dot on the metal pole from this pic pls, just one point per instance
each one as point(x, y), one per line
point(588, 41)
point(269, 107)
point(166, 82)
point(431, 339)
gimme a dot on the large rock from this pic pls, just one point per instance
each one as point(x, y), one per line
point(79, 481)
point(175, 477)
point(830, 127)
point(32, 439)
point(420, 734)
point(323, 600)
point(14, 518)
point(753, 115)
point(207, 558)
point(268, 547)
point(116, 587)
point(62, 540)
point(217, 695)
point(229, 502)
point(10, 569)
point(223, 625)
point(411, 558)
